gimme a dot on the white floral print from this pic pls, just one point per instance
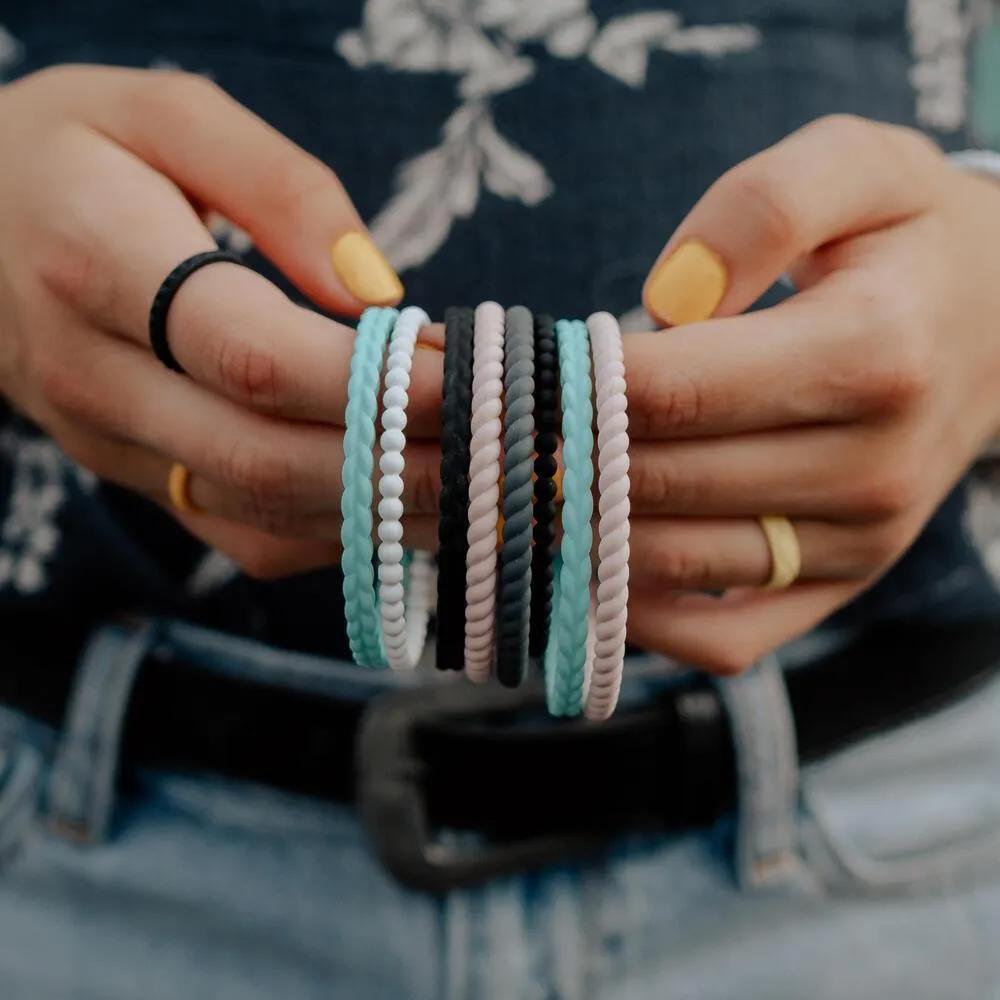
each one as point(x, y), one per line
point(481, 43)
point(41, 479)
point(11, 51)
point(939, 33)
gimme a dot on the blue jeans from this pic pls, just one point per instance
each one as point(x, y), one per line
point(875, 873)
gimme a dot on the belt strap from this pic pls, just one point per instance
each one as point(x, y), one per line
point(459, 756)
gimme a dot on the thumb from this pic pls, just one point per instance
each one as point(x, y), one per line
point(836, 178)
point(227, 159)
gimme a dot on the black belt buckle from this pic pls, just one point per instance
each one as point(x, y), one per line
point(391, 800)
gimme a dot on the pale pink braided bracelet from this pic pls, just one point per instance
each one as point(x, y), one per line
point(484, 489)
point(613, 521)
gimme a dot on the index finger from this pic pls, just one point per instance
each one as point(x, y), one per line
point(816, 358)
point(231, 329)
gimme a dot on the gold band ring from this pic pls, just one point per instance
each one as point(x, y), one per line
point(786, 554)
point(179, 489)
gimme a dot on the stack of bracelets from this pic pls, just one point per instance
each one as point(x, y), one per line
point(514, 577)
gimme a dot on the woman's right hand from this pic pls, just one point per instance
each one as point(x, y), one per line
point(106, 176)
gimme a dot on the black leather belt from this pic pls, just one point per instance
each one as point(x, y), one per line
point(459, 757)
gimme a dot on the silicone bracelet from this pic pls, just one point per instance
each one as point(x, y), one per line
point(611, 615)
point(360, 602)
point(546, 486)
point(484, 490)
point(403, 610)
point(165, 295)
point(453, 526)
point(514, 601)
point(566, 652)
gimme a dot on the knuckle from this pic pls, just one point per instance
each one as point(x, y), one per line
point(680, 568)
point(70, 270)
point(263, 474)
point(728, 658)
point(769, 215)
point(62, 386)
point(918, 160)
point(656, 485)
point(167, 96)
point(889, 491)
point(295, 183)
point(844, 130)
point(258, 565)
point(894, 369)
point(250, 374)
point(672, 405)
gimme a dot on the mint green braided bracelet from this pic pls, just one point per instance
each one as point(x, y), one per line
point(566, 652)
point(357, 563)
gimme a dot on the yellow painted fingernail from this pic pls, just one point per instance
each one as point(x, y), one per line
point(688, 286)
point(365, 272)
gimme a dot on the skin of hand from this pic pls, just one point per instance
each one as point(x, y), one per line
point(852, 408)
point(104, 186)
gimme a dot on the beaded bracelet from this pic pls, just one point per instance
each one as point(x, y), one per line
point(360, 601)
point(484, 490)
point(514, 601)
point(611, 615)
point(453, 526)
point(546, 468)
point(566, 652)
point(505, 376)
point(403, 611)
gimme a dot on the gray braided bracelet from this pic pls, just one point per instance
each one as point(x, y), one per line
point(514, 600)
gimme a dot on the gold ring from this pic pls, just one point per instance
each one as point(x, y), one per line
point(179, 489)
point(786, 554)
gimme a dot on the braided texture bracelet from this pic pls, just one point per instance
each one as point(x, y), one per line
point(360, 601)
point(566, 652)
point(518, 490)
point(515, 575)
point(453, 527)
point(484, 490)
point(611, 613)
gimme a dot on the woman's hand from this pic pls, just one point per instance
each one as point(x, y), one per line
point(852, 408)
point(105, 176)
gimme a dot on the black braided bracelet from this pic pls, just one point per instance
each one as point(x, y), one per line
point(546, 467)
point(165, 296)
point(514, 598)
point(453, 527)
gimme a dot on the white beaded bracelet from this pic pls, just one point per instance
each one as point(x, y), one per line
point(611, 613)
point(403, 609)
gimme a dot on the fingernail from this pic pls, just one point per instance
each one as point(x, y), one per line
point(365, 272)
point(688, 286)
point(424, 345)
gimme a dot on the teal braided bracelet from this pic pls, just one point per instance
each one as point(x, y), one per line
point(566, 652)
point(360, 599)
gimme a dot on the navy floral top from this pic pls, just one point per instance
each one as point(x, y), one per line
point(538, 151)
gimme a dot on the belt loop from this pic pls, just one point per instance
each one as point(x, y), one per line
point(767, 772)
point(81, 791)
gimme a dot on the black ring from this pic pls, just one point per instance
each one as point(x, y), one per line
point(165, 296)
point(453, 527)
point(514, 597)
point(546, 467)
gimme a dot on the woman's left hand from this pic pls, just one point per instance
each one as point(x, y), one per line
point(852, 408)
